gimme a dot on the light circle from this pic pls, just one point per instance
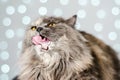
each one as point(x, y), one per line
point(98, 27)
point(83, 2)
point(112, 35)
point(22, 9)
point(10, 10)
point(9, 33)
point(43, 1)
point(42, 11)
point(26, 20)
point(3, 45)
point(117, 47)
point(4, 55)
point(78, 26)
point(5, 68)
point(101, 14)
point(64, 2)
point(81, 14)
point(95, 2)
point(20, 45)
point(58, 12)
point(115, 11)
point(117, 24)
point(117, 2)
point(6, 21)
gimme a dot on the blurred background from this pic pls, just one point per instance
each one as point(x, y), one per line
point(98, 17)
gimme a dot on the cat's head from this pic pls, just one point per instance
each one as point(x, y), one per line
point(48, 29)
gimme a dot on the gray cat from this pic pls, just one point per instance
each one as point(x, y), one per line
point(54, 50)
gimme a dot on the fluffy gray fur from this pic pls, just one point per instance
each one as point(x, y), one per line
point(67, 58)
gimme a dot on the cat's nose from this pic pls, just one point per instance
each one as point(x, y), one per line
point(39, 29)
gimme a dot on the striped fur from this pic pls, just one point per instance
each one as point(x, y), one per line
point(72, 55)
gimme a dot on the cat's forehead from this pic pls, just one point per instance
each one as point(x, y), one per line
point(47, 20)
point(53, 19)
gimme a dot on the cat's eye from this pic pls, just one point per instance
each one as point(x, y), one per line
point(51, 24)
point(33, 28)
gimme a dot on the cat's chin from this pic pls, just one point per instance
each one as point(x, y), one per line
point(41, 48)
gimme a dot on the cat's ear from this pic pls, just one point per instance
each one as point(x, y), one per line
point(71, 21)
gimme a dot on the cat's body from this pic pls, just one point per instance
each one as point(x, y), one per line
point(63, 53)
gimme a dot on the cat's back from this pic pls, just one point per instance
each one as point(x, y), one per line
point(105, 56)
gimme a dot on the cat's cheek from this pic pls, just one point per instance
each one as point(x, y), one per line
point(55, 38)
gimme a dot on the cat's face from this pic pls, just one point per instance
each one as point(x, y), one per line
point(48, 29)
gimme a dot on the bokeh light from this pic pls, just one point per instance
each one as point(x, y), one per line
point(78, 26)
point(101, 14)
point(81, 14)
point(43, 1)
point(83, 2)
point(42, 11)
point(7, 21)
point(5, 68)
point(98, 27)
point(4, 55)
point(64, 2)
point(112, 35)
point(20, 45)
point(95, 2)
point(21, 9)
point(26, 20)
point(58, 12)
point(10, 10)
point(117, 2)
point(117, 24)
point(116, 11)
point(117, 47)
point(3, 45)
point(9, 33)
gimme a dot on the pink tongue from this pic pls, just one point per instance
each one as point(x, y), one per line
point(37, 40)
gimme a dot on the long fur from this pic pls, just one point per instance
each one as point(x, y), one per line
point(73, 55)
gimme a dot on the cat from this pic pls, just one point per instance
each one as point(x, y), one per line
point(54, 50)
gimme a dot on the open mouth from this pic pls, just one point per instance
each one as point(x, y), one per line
point(41, 40)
